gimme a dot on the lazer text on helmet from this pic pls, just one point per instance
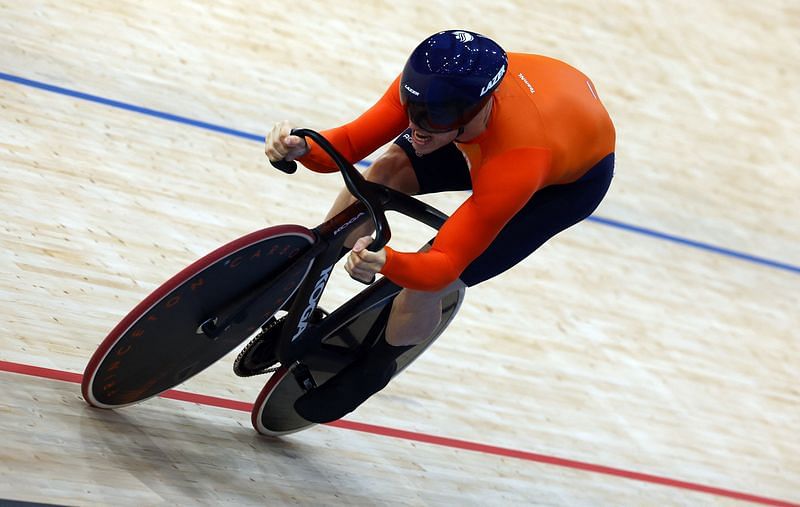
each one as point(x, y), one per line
point(494, 80)
point(413, 91)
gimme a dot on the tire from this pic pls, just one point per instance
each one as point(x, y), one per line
point(273, 412)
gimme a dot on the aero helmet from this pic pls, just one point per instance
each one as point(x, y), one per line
point(449, 77)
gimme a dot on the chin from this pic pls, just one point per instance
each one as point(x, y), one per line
point(425, 150)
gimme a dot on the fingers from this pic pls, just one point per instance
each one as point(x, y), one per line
point(362, 275)
point(274, 147)
point(361, 271)
point(362, 244)
point(363, 264)
point(279, 144)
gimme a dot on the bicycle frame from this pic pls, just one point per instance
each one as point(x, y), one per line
point(298, 337)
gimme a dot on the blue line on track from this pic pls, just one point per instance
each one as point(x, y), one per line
point(260, 138)
point(695, 244)
point(129, 107)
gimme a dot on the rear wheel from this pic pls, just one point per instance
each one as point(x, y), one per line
point(273, 411)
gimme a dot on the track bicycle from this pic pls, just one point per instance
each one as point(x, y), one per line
point(269, 281)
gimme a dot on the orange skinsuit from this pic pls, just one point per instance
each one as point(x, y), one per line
point(547, 127)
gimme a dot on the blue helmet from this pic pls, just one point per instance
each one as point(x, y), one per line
point(449, 77)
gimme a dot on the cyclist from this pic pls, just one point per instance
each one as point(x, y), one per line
point(526, 134)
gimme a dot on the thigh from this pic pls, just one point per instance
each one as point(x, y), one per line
point(394, 170)
point(550, 211)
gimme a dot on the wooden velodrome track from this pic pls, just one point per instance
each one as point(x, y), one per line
point(648, 356)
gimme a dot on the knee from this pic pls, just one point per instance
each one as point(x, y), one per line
point(412, 319)
point(412, 301)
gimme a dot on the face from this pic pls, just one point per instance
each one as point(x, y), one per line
point(425, 142)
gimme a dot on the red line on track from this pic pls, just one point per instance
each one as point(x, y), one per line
point(452, 443)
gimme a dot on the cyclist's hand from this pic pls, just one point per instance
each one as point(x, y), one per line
point(362, 264)
point(280, 145)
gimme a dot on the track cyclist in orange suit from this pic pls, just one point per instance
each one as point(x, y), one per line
point(526, 134)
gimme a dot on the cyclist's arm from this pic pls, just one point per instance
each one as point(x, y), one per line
point(378, 125)
point(501, 187)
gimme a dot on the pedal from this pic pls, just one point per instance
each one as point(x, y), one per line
point(261, 354)
point(303, 377)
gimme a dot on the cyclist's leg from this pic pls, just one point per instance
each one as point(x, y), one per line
point(415, 314)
